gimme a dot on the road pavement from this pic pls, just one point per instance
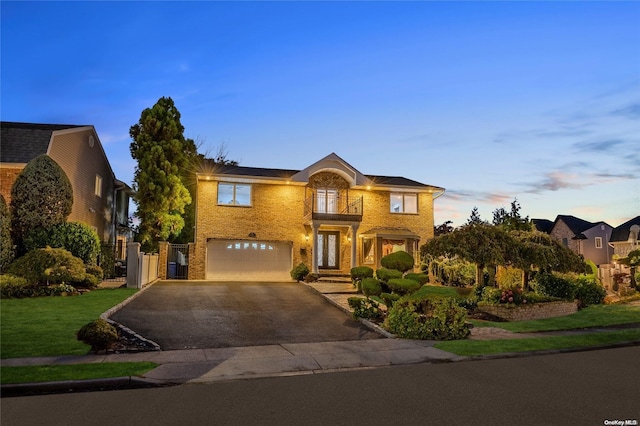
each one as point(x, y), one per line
point(580, 388)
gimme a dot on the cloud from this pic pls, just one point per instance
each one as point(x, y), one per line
point(630, 111)
point(598, 146)
point(479, 196)
point(559, 180)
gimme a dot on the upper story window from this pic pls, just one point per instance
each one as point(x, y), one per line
point(404, 203)
point(327, 200)
point(234, 194)
point(599, 242)
point(98, 186)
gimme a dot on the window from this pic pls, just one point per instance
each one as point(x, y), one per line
point(234, 194)
point(327, 201)
point(565, 242)
point(599, 242)
point(404, 203)
point(98, 186)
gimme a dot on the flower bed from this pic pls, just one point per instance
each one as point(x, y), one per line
point(510, 312)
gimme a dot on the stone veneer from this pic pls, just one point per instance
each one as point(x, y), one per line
point(530, 312)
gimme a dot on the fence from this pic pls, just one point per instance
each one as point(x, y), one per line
point(178, 261)
point(142, 267)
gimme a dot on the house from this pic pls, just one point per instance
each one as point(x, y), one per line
point(626, 238)
point(99, 199)
point(257, 223)
point(583, 237)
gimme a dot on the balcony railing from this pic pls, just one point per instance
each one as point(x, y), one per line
point(341, 208)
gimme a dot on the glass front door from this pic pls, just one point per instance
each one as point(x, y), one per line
point(328, 249)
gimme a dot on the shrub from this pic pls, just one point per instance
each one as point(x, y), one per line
point(299, 272)
point(384, 274)
point(78, 238)
point(437, 319)
point(50, 266)
point(589, 292)
point(361, 272)
point(7, 251)
point(99, 334)
point(371, 287)
point(12, 286)
point(96, 271)
point(41, 197)
point(311, 278)
point(421, 278)
point(400, 261)
point(107, 260)
point(509, 277)
point(364, 308)
point(389, 298)
point(555, 286)
point(404, 286)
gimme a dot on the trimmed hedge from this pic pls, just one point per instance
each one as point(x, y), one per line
point(404, 286)
point(300, 272)
point(78, 238)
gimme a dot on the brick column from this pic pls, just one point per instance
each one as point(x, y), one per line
point(191, 274)
point(163, 251)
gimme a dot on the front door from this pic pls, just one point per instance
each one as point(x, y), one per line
point(328, 250)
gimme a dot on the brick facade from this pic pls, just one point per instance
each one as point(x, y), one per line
point(8, 175)
point(277, 214)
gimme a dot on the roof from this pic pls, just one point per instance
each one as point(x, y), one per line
point(22, 142)
point(543, 225)
point(621, 233)
point(575, 224)
point(287, 173)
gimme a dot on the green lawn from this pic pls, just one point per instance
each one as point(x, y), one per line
point(47, 326)
point(486, 347)
point(592, 316)
point(51, 373)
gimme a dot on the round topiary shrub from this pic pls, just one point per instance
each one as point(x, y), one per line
point(99, 334)
point(384, 274)
point(421, 278)
point(399, 260)
point(361, 272)
point(371, 287)
point(300, 272)
point(404, 286)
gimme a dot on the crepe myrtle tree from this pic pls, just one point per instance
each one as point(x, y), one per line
point(162, 153)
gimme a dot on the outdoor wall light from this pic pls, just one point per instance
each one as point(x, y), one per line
point(306, 237)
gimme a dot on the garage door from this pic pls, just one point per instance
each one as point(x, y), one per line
point(248, 260)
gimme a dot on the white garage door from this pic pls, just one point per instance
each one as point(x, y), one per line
point(248, 260)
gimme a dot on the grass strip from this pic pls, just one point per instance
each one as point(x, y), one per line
point(592, 316)
point(54, 373)
point(488, 347)
point(47, 326)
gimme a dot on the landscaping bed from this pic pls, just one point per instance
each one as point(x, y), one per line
point(529, 312)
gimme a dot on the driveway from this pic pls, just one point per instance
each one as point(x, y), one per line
point(183, 315)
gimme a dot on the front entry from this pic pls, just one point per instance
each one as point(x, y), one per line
point(329, 249)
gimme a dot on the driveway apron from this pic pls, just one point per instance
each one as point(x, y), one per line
point(184, 314)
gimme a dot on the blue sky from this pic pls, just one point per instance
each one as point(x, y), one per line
point(491, 100)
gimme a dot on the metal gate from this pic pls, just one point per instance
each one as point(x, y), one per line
point(178, 262)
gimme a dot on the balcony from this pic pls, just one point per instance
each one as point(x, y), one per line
point(342, 208)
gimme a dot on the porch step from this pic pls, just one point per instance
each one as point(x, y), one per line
point(334, 279)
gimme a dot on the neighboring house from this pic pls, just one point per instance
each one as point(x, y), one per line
point(257, 223)
point(543, 225)
point(626, 238)
point(99, 199)
point(591, 240)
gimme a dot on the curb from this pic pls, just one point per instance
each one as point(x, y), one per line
point(67, 386)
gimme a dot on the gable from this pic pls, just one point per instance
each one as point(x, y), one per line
point(621, 233)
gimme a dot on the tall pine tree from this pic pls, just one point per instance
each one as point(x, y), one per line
point(162, 153)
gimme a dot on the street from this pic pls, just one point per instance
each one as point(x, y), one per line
point(580, 388)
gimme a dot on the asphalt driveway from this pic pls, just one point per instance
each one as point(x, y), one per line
point(184, 315)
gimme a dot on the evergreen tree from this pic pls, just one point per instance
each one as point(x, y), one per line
point(41, 197)
point(163, 154)
point(6, 243)
point(474, 219)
